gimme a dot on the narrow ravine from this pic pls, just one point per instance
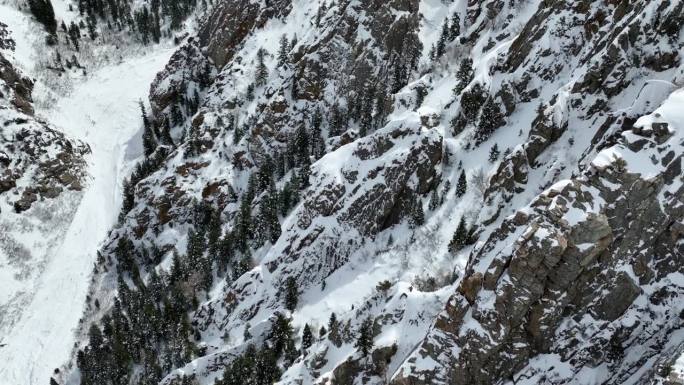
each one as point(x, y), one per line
point(102, 111)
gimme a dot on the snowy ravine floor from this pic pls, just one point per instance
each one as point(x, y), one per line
point(103, 112)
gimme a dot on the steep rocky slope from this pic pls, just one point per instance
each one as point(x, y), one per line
point(306, 158)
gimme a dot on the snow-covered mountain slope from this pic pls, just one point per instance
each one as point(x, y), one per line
point(308, 158)
point(392, 192)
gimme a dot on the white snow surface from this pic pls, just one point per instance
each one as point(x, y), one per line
point(103, 112)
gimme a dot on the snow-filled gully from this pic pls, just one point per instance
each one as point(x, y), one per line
point(103, 112)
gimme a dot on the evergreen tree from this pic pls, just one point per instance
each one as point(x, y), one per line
point(177, 273)
point(490, 119)
point(303, 176)
point(460, 237)
point(266, 371)
point(494, 153)
point(196, 247)
point(442, 41)
point(307, 338)
point(273, 224)
point(464, 75)
point(434, 200)
point(91, 24)
point(214, 233)
point(243, 224)
point(285, 199)
point(44, 13)
point(334, 330)
point(364, 340)
point(246, 334)
point(261, 70)
point(128, 198)
point(291, 294)
point(417, 217)
point(462, 185)
point(281, 333)
point(241, 267)
point(283, 51)
point(250, 92)
point(176, 115)
point(455, 28)
point(421, 92)
point(149, 141)
point(367, 104)
point(471, 101)
point(74, 34)
point(166, 133)
point(338, 120)
point(317, 143)
point(301, 146)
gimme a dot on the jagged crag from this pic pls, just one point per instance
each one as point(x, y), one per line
point(279, 175)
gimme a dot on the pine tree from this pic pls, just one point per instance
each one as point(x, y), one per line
point(460, 237)
point(307, 338)
point(334, 330)
point(196, 247)
point(149, 141)
point(176, 115)
point(471, 101)
point(490, 119)
point(442, 41)
point(455, 28)
point(214, 233)
point(317, 143)
point(364, 340)
point(128, 198)
point(261, 70)
point(421, 92)
point(367, 102)
point(494, 153)
point(462, 185)
point(74, 34)
point(246, 334)
point(283, 51)
point(166, 133)
point(291, 294)
point(301, 146)
point(92, 24)
point(434, 200)
point(338, 120)
point(250, 92)
point(177, 273)
point(417, 214)
point(44, 13)
point(281, 333)
point(285, 199)
point(243, 224)
point(194, 144)
point(464, 75)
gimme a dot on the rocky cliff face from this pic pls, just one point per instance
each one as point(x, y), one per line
point(578, 279)
point(38, 162)
point(313, 158)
